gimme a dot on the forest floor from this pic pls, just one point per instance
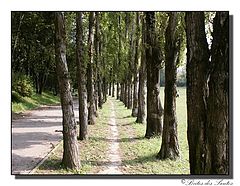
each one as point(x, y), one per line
point(116, 145)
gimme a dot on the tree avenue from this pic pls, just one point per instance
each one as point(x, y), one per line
point(130, 56)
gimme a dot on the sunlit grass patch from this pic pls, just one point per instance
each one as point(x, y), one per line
point(139, 156)
point(28, 103)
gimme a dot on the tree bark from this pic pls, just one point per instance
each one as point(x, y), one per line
point(119, 56)
point(105, 90)
point(118, 90)
point(129, 87)
point(218, 121)
point(135, 70)
point(122, 92)
point(113, 89)
point(91, 100)
point(141, 116)
point(197, 74)
point(100, 92)
point(110, 89)
point(169, 147)
point(81, 78)
point(126, 94)
point(71, 157)
point(97, 65)
point(100, 78)
point(135, 96)
point(154, 107)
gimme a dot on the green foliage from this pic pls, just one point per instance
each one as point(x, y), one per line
point(182, 38)
point(33, 45)
point(22, 85)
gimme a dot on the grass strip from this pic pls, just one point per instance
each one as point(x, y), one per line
point(36, 100)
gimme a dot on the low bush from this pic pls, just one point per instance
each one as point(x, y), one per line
point(16, 98)
point(22, 85)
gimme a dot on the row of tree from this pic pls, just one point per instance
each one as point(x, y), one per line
point(127, 50)
point(207, 83)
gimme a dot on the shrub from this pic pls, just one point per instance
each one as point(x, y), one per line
point(22, 84)
point(16, 98)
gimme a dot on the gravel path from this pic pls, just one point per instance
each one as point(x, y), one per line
point(34, 136)
point(113, 154)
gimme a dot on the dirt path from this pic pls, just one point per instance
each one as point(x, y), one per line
point(34, 136)
point(113, 151)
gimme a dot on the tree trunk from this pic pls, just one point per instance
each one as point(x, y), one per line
point(218, 121)
point(129, 103)
point(135, 96)
point(113, 89)
point(81, 78)
point(119, 56)
point(118, 90)
point(197, 74)
point(91, 100)
point(154, 107)
point(169, 147)
point(100, 92)
point(42, 82)
point(141, 116)
point(97, 66)
point(96, 96)
point(105, 90)
point(110, 89)
point(71, 157)
point(122, 92)
point(135, 67)
point(126, 94)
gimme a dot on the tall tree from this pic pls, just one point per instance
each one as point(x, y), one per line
point(90, 73)
point(141, 116)
point(81, 78)
point(96, 54)
point(70, 146)
point(217, 106)
point(169, 146)
point(130, 38)
point(119, 88)
point(153, 61)
point(135, 66)
point(197, 74)
point(99, 61)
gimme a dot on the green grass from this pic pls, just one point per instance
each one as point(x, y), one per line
point(139, 154)
point(36, 100)
point(92, 152)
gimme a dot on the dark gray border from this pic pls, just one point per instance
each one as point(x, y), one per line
point(168, 176)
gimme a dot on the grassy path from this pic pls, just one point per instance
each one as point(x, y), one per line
point(114, 164)
point(117, 145)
